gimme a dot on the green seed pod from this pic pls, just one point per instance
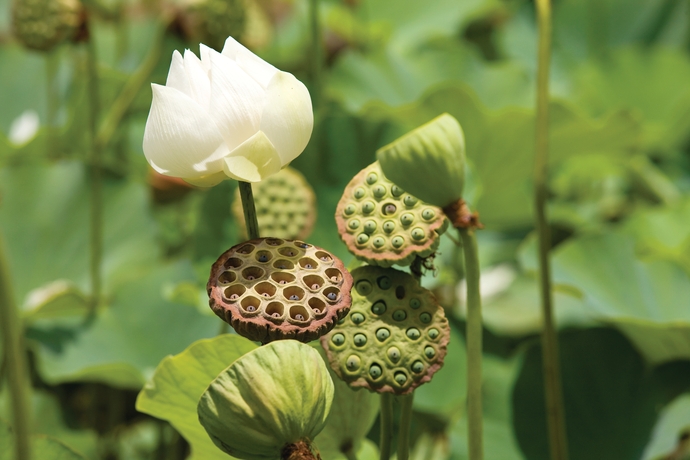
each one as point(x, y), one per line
point(396, 336)
point(212, 21)
point(269, 289)
point(428, 162)
point(285, 205)
point(271, 398)
point(42, 24)
point(383, 225)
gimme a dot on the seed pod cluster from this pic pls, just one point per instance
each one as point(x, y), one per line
point(395, 336)
point(212, 21)
point(382, 224)
point(285, 205)
point(269, 289)
point(42, 24)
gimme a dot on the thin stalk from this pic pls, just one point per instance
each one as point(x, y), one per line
point(474, 345)
point(95, 160)
point(405, 424)
point(12, 331)
point(316, 51)
point(386, 426)
point(249, 209)
point(52, 102)
point(552, 376)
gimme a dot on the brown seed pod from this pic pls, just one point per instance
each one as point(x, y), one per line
point(395, 337)
point(269, 289)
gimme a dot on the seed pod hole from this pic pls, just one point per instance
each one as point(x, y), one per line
point(227, 278)
point(417, 367)
point(393, 354)
point(233, 262)
point(353, 362)
point(252, 273)
point(302, 245)
point(234, 292)
point(282, 277)
point(384, 282)
point(265, 289)
point(263, 256)
point(415, 303)
point(317, 306)
point(274, 241)
point(308, 264)
point(250, 304)
point(363, 287)
point(382, 334)
point(288, 252)
point(399, 315)
point(429, 352)
point(425, 318)
point(275, 310)
point(359, 340)
point(299, 313)
point(357, 318)
point(413, 333)
point(323, 256)
point(400, 378)
point(375, 371)
point(313, 282)
point(334, 275)
point(282, 264)
point(400, 292)
point(246, 249)
point(338, 339)
point(293, 293)
point(379, 308)
point(388, 209)
point(433, 333)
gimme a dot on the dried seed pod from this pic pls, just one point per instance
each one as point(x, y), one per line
point(42, 24)
point(382, 224)
point(394, 338)
point(272, 399)
point(269, 289)
point(285, 205)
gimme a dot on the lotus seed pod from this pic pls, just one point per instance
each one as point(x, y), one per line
point(394, 338)
point(268, 400)
point(382, 224)
point(269, 289)
point(428, 162)
point(285, 205)
point(42, 24)
point(212, 21)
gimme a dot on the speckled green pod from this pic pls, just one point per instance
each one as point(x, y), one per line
point(382, 224)
point(212, 21)
point(429, 161)
point(285, 205)
point(269, 289)
point(270, 398)
point(43, 24)
point(394, 338)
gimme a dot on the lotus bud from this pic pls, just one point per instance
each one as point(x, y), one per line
point(270, 402)
point(42, 24)
point(429, 161)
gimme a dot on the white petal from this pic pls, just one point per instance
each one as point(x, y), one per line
point(177, 77)
point(198, 79)
point(257, 68)
point(254, 160)
point(180, 139)
point(237, 100)
point(208, 181)
point(205, 57)
point(287, 119)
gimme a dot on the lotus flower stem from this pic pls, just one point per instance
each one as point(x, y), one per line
point(249, 210)
point(52, 59)
point(11, 330)
point(552, 375)
point(405, 423)
point(474, 345)
point(316, 51)
point(386, 426)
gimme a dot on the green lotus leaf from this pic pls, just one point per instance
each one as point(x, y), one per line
point(274, 396)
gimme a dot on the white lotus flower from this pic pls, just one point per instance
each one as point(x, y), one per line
point(228, 114)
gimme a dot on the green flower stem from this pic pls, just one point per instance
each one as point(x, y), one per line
point(386, 426)
point(249, 209)
point(552, 377)
point(316, 51)
point(96, 186)
point(12, 330)
point(405, 424)
point(52, 102)
point(474, 345)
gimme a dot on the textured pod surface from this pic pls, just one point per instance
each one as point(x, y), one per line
point(278, 394)
point(382, 224)
point(42, 24)
point(395, 337)
point(269, 289)
point(285, 205)
point(212, 21)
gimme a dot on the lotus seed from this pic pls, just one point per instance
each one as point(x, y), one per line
point(388, 226)
point(378, 242)
point(276, 315)
point(407, 219)
point(375, 371)
point(370, 226)
point(425, 318)
point(282, 282)
point(428, 214)
point(302, 245)
point(417, 367)
point(379, 308)
point(384, 282)
point(400, 378)
point(360, 340)
point(415, 303)
point(413, 333)
point(394, 354)
point(389, 209)
point(315, 286)
point(353, 362)
point(263, 258)
point(379, 191)
point(382, 334)
point(360, 192)
point(363, 287)
point(372, 178)
point(429, 352)
point(368, 207)
point(325, 258)
point(294, 297)
point(266, 294)
point(410, 201)
point(418, 234)
point(234, 297)
point(250, 277)
point(397, 242)
point(362, 238)
point(251, 308)
point(316, 311)
point(309, 266)
point(357, 318)
point(350, 209)
point(332, 296)
point(397, 191)
point(299, 317)
point(399, 315)
point(433, 333)
point(353, 224)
